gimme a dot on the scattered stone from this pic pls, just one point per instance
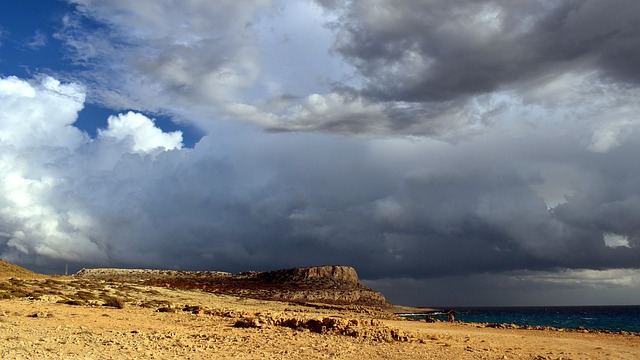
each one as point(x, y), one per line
point(372, 330)
point(194, 309)
point(40, 314)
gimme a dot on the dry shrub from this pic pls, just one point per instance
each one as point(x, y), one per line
point(116, 302)
point(86, 295)
point(13, 292)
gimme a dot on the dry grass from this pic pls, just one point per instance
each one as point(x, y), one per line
point(11, 290)
point(116, 302)
point(86, 295)
point(9, 270)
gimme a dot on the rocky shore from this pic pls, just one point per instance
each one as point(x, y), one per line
point(580, 329)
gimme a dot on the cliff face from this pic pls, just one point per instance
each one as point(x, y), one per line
point(332, 274)
point(326, 284)
point(321, 284)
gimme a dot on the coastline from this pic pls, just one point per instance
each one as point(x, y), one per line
point(164, 322)
point(75, 317)
point(512, 326)
point(40, 329)
point(609, 319)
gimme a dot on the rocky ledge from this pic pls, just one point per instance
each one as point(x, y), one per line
point(338, 285)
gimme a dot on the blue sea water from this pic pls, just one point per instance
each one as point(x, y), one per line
point(614, 318)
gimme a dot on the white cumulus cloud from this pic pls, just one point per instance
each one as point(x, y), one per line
point(43, 157)
point(145, 136)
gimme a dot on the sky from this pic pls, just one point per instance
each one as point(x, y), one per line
point(453, 152)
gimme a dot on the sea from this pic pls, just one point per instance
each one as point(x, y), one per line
point(613, 318)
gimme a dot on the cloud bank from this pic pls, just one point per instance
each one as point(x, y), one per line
point(486, 143)
point(392, 208)
point(443, 69)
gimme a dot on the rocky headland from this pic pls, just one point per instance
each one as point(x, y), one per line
point(337, 285)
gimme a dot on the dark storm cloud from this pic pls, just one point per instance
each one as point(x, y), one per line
point(432, 51)
point(536, 100)
point(407, 215)
point(252, 204)
point(516, 288)
point(236, 212)
point(611, 202)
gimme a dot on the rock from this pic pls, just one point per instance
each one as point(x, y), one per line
point(250, 323)
point(194, 309)
point(343, 274)
point(40, 314)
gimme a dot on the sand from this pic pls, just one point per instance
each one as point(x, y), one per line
point(199, 325)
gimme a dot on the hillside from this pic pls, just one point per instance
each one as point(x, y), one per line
point(9, 270)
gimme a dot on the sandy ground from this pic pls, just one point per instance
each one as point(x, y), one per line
point(44, 329)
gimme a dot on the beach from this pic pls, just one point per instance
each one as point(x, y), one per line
point(151, 322)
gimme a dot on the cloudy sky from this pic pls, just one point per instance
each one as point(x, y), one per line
point(454, 152)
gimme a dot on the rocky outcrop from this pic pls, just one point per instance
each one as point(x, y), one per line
point(318, 284)
point(364, 330)
point(324, 284)
point(332, 274)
